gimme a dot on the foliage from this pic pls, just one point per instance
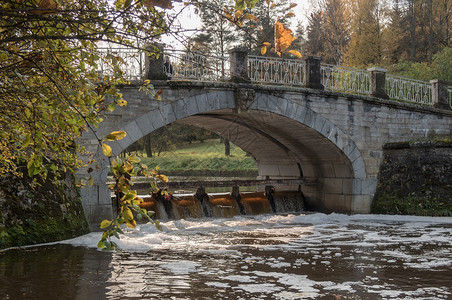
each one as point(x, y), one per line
point(365, 41)
point(127, 199)
point(439, 69)
point(50, 89)
point(388, 203)
point(265, 25)
point(217, 32)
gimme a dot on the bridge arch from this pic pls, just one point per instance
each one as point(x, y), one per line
point(288, 140)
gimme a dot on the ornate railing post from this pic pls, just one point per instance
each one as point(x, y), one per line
point(440, 96)
point(154, 63)
point(238, 59)
point(313, 75)
point(377, 81)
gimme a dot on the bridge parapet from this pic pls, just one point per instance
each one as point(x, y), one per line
point(308, 72)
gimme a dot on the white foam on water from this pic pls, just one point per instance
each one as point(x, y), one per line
point(322, 237)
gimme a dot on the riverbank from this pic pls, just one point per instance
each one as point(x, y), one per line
point(203, 159)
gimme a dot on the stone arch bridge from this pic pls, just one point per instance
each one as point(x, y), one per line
point(295, 128)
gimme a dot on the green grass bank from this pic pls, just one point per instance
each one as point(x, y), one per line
point(203, 159)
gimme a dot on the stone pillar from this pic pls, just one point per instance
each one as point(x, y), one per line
point(238, 59)
point(313, 75)
point(377, 77)
point(440, 95)
point(154, 63)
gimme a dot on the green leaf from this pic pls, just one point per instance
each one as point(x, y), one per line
point(105, 224)
point(90, 181)
point(101, 244)
point(134, 159)
point(111, 107)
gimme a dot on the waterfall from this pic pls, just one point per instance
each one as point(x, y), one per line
point(201, 204)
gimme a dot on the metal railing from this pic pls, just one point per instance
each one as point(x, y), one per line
point(344, 79)
point(277, 70)
point(131, 60)
point(269, 70)
point(197, 66)
point(410, 90)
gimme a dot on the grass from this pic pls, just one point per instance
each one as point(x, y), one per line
point(205, 158)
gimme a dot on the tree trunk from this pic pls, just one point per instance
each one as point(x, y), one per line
point(227, 147)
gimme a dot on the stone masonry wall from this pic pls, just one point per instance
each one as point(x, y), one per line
point(415, 178)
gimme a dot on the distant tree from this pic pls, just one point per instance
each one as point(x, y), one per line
point(336, 30)
point(395, 36)
point(365, 47)
point(315, 44)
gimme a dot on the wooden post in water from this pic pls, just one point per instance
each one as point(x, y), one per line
point(203, 198)
point(269, 193)
point(236, 195)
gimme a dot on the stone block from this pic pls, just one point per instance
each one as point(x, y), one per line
point(342, 170)
point(180, 109)
point(333, 185)
point(369, 186)
point(361, 204)
point(268, 169)
point(201, 102)
point(359, 168)
point(226, 99)
point(319, 122)
point(213, 103)
point(310, 118)
point(300, 114)
point(89, 195)
point(97, 214)
point(133, 131)
point(289, 170)
point(327, 128)
point(125, 142)
point(167, 114)
point(157, 119)
point(191, 106)
point(334, 202)
point(145, 124)
point(291, 109)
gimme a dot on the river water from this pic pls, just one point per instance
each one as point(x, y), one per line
point(282, 256)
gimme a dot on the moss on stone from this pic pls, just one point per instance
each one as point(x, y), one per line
point(415, 178)
point(39, 212)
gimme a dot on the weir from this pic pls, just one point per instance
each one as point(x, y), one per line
point(223, 205)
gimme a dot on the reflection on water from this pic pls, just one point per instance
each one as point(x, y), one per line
point(261, 257)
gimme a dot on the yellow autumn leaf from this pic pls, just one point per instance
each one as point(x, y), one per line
point(263, 50)
point(290, 14)
point(106, 149)
point(266, 44)
point(132, 224)
point(115, 135)
point(295, 52)
point(283, 37)
point(292, 5)
point(250, 17)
